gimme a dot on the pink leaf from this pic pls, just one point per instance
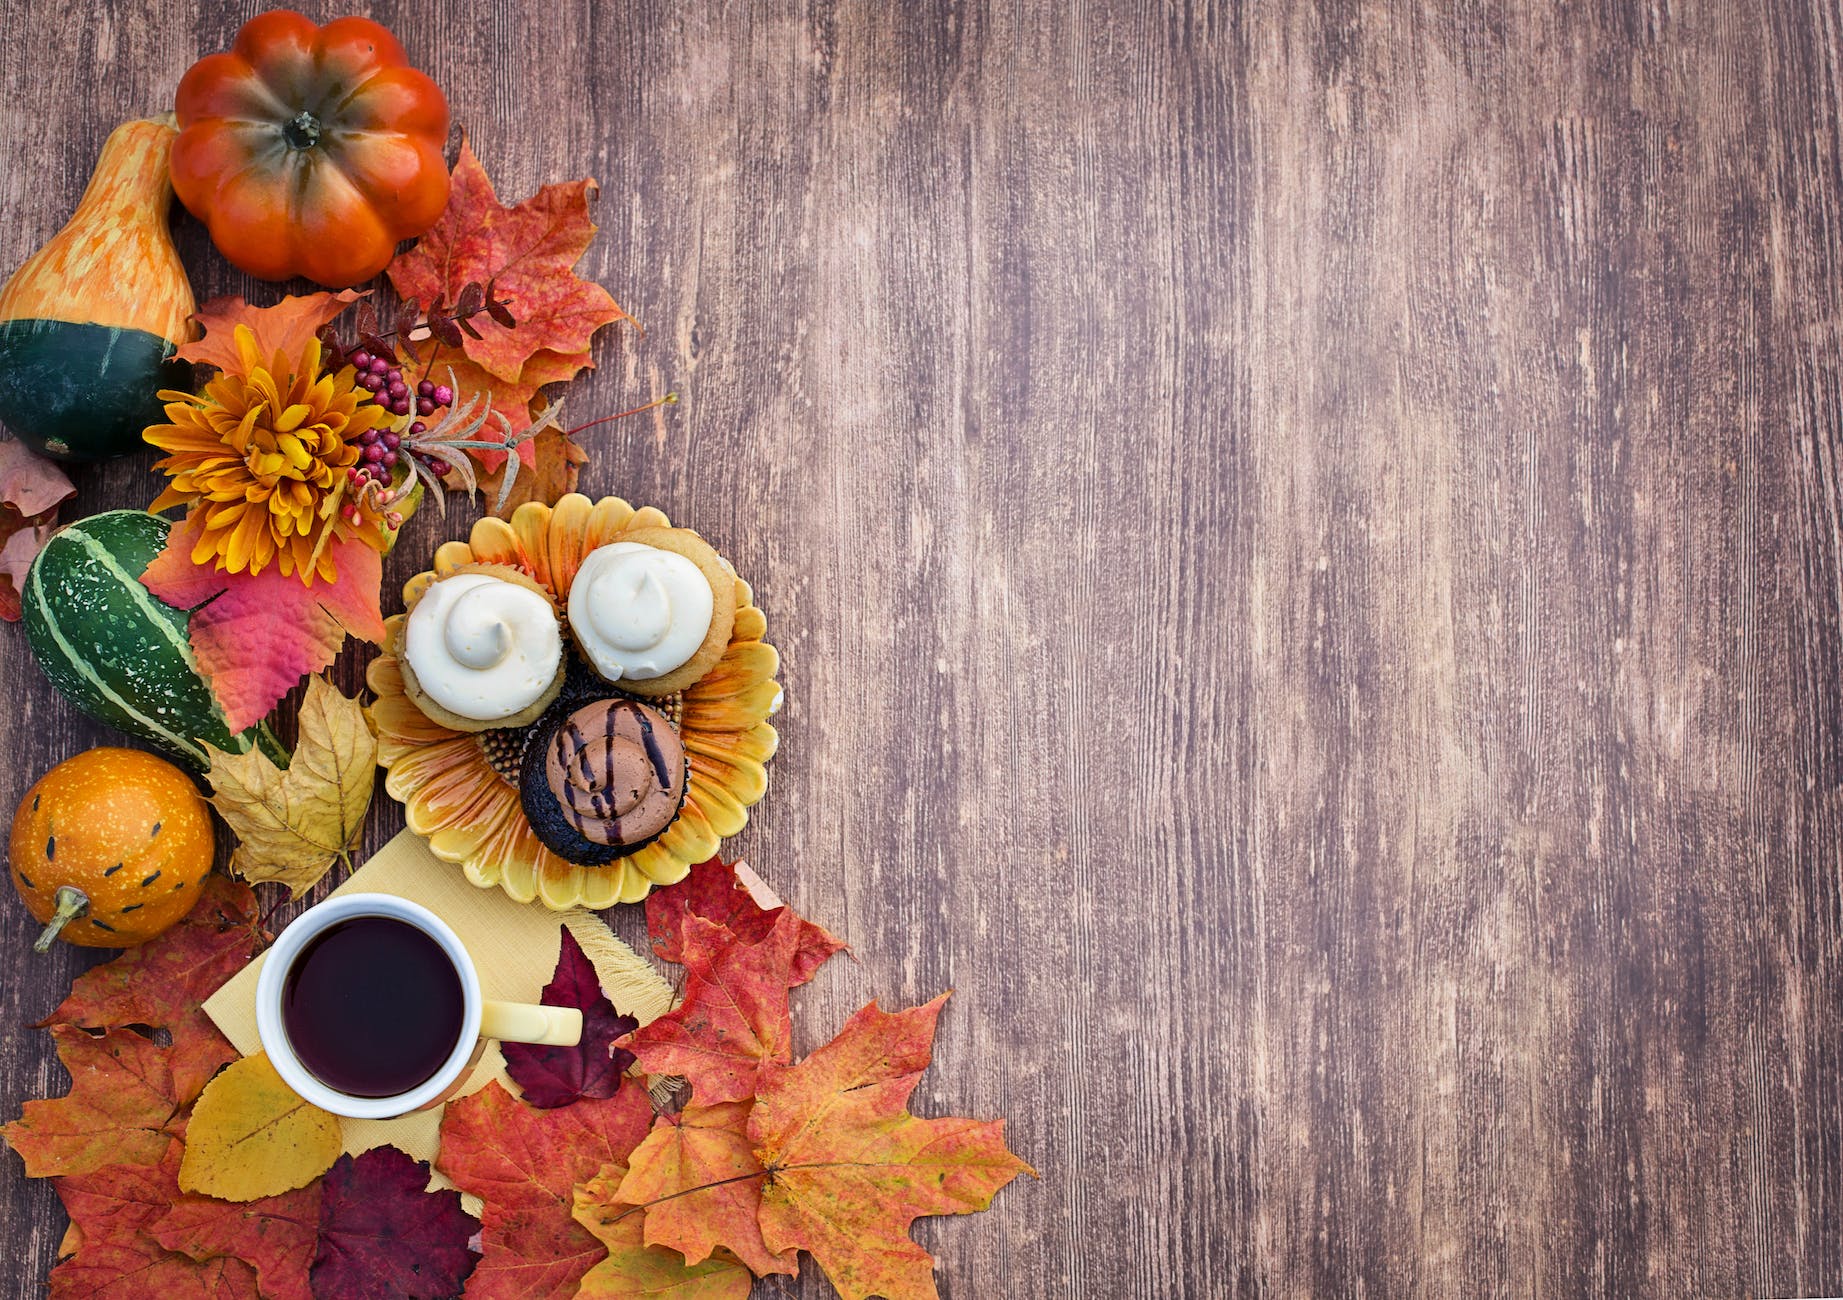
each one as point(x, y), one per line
point(255, 636)
point(28, 483)
point(30, 490)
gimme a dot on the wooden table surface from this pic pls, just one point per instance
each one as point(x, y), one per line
point(1307, 545)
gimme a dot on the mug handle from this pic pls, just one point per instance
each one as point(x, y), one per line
point(519, 1022)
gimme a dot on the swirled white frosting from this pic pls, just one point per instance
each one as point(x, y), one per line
point(482, 647)
point(639, 612)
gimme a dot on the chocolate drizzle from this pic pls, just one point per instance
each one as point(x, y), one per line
point(614, 771)
point(654, 755)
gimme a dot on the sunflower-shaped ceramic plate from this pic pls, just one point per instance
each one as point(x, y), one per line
point(459, 790)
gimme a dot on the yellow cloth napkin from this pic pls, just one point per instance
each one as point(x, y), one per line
point(513, 944)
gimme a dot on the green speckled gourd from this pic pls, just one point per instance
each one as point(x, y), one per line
point(113, 650)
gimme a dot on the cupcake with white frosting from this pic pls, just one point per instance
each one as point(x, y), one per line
point(481, 648)
point(652, 612)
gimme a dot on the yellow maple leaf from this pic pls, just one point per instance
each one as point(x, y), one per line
point(251, 1136)
point(291, 823)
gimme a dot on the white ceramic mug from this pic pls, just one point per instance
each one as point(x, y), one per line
point(510, 1022)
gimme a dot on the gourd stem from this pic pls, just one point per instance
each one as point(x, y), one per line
point(302, 131)
point(269, 743)
point(71, 903)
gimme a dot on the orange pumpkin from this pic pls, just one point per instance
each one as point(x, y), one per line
point(311, 150)
point(109, 848)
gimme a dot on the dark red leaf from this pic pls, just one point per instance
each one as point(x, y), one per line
point(713, 892)
point(333, 352)
point(557, 1076)
point(382, 1235)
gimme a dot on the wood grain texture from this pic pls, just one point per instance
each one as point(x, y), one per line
point(1307, 543)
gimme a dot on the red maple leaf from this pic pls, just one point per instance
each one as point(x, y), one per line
point(384, 1237)
point(116, 1201)
point(733, 1028)
point(167, 978)
point(524, 1164)
point(275, 1235)
point(138, 1269)
point(113, 1208)
point(556, 1076)
point(163, 983)
point(528, 252)
point(256, 635)
point(714, 891)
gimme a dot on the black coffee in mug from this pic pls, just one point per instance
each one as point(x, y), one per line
point(373, 1006)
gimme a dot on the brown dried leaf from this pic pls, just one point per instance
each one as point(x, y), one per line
point(291, 824)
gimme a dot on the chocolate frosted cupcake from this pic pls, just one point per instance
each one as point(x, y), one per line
point(603, 780)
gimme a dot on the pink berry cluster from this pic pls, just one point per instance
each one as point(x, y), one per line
point(380, 449)
point(383, 379)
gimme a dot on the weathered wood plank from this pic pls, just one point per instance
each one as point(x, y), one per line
point(1307, 544)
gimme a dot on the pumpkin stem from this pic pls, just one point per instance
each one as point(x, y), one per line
point(71, 903)
point(302, 131)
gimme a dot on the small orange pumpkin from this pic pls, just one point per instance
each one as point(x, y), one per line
point(109, 848)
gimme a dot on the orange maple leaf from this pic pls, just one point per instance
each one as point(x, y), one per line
point(704, 1150)
point(126, 1095)
point(524, 1164)
point(634, 1267)
point(283, 328)
point(841, 1167)
point(528, 252)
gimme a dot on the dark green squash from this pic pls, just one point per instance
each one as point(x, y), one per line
point(83, 391)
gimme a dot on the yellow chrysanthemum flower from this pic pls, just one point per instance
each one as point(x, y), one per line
point(261, 460)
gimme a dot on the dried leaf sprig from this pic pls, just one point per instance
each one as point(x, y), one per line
point(447, 324)
point(447, 444)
